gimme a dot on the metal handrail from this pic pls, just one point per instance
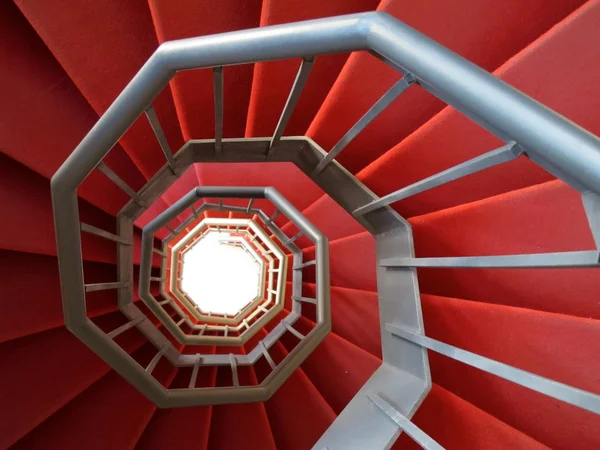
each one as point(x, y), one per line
point(529, 128)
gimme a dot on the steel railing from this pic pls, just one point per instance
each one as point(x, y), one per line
point(527, 128)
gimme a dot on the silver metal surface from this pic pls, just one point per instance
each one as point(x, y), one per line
point(112, 176)
point(493, 158)
point(160, 136)
point(299, 82)
point(406, 425)
point(365, 120)
point(568, 394)
point(546, 137)
point(105, 234)
point(589, 258)
point(104, 286)
point(218, 88)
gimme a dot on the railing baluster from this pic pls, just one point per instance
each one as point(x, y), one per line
point(419, 436)
point(249, 206)
point(554, 389)
point(181, 321)
point(156, 359)
point(365, 120)
point(589, 258)
point(160, 137)
point(112, 176)
point(292, 330)
point(104, 286)
point(159, 252)
point(226, 333)
point(202, 330)
point(267, 355)
point(263, 309)
point(292, 100)
point(105, 234)
point(170, 230)
point(165, 302)
point(273, 217)
point(194, 211)
point(218, 89)
point(156, 279)
point(132, 323)
point(234, 372)
point(305, 300)
point(306, 264)
point(493, 158)
point(194, 376)
point(292, 239)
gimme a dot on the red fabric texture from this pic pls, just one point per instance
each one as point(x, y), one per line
point(193, 90)
point(68, 62)
point(71, 370)
point(44, 117)
point(456, 424)
point(273, 80)
point(101, 46)
point(449, 138)
point(486, 32)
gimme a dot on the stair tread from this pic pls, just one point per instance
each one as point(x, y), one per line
point(34, 291)
point(456, 424)
point(333, 360)
point(67, 374)
point(540, 219)
point(354, 315)
point(451, 138)
point(273, 81)
point(453, 27)
point(111, 413)
point(170, 427)
point(250, 420)
point(193, 90)
point(297, 397)
point(111, 60)
point(38, 95)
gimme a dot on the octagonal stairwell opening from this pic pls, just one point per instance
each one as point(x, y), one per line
point(218, 277)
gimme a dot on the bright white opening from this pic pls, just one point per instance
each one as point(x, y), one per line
point(219, 278)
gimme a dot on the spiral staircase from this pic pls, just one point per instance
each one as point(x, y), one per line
point(427, 235)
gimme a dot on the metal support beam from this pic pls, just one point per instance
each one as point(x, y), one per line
point(292, 330)
point(105, 234)
point(156, 359)
point(493, 158)
point(234, 371)
point(589, 258)
point(568, 394)
point(266, 354)
point(272, 218)
point(365, 120)
point(292, 239)
point(305, 300)
point(160, 136)
point(159, 252)
point(112, 176)
point(132, 323)
point(218, 89)
point(306, 264)
point(104, 286)
point(299, 82)
point(194, 376)
point(404, 424)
